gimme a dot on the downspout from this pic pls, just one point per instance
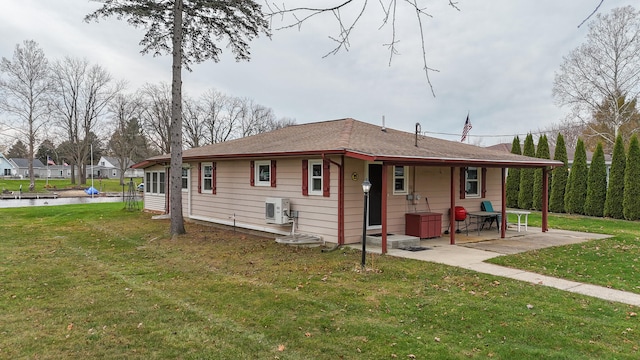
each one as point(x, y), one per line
point(340, 197)
point(545, 199)
point(452, 231)
point(503, 210)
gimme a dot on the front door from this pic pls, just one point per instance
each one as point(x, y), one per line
point(375, 196)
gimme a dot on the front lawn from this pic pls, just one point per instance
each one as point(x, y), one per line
point(612, 262)
point(97, 281)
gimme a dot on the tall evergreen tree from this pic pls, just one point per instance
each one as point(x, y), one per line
point(631, 202)
point(525, 195)
point(513, 177)
point(18, 150)
point(615, 190)
point(596, 184)
point(190, 31)
point(559, 184)
point(577, 183)
point(542, 153)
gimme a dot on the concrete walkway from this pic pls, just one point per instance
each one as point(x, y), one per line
point(470, 254)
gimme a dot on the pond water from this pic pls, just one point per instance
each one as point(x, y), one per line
point(11, 203)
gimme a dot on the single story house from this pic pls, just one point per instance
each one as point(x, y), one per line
point(20, 168)
point(308, 178)
point(109, 167)
point(5, 166)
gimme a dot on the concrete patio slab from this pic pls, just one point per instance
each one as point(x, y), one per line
point(470, 252)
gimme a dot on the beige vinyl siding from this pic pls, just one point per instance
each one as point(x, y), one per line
point(235, 197)
point(353, 201)
point(431, 183)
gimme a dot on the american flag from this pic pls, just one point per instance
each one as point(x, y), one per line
point(49, 161)
point(465, 130)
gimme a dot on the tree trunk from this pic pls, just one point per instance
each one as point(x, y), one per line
point(175, 188)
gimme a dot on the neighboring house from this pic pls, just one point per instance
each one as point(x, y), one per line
point(20, 168)
point(5, 167)
point(109, 167)
point(59, 171)
point(320, 167)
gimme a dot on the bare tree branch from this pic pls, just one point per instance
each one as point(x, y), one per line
point(389, 8)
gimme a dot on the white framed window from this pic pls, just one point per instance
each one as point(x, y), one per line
point(207, 176)
point(315, 177)
point(472, 182)
point(155, 182)
point(185, 178)
point(400, 178)
point(262, 173)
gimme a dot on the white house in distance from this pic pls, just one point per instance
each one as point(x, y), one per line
point(109, 167)
point(313, 173)
point(5, 166)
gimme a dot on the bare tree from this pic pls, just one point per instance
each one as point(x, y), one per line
point(24, 94)
point(600, 72)
point(257, 119)
point(571, 131)
point(218, 124)
point(124, 109)
point(156, 115)
point(194, 121)
point(82, 94)
point(347, 14)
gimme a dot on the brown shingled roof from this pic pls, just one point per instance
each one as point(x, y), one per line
point(360, 140)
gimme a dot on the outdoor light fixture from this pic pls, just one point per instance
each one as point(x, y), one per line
point(366, 186)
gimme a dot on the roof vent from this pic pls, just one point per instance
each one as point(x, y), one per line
point(418, 131)
point(383, 127)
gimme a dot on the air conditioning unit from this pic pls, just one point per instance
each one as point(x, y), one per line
point(276, 211)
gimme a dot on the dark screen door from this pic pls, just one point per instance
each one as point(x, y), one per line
point(375, 195)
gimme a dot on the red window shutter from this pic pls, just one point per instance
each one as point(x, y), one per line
point(484, 182)
point(253, 174)
point(463, 172)
point(199, 177)
point(273, 173)
point(326, 178)
point(305, 177)
point(213, 178)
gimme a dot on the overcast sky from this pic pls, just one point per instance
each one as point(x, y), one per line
point(496, 61)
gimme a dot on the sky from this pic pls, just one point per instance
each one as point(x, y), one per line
point(495, 62)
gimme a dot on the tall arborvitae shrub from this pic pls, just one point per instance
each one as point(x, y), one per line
point(542, 152)
point(577, 183)
point(513, 177)
point(631, 202)
point(596, 184)
point(615, 189)
point(525, 196)
point(559, 184)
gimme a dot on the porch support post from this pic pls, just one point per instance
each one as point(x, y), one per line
point(384, 208)
point(452, 231)
point(545, 199)
point(503, 210)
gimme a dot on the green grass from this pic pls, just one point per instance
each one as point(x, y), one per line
point(103, 185)
point(97, 281)
point(612, 262)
